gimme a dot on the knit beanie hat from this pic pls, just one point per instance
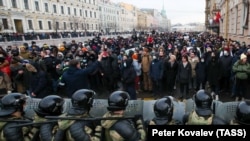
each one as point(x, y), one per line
point(242, 56)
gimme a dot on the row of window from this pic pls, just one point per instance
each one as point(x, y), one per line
point(108, 10)
point(63, 26)
point(54, 8)
point(55, 26)
point(14, 3)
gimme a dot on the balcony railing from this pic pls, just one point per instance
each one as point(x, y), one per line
point(213, 25)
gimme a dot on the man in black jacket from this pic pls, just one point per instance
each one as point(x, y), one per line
point(76, 78)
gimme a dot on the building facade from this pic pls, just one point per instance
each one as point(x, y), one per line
point(46, 16)
point(145, 21)
point(156, 20)
point(235, 23)
point(129, 16)
point(24, 16)
point(234, 20)
point(109, 14)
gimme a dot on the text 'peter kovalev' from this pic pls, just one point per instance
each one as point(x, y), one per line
point(181, 132)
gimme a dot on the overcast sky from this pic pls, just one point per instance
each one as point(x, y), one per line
point(178, 11)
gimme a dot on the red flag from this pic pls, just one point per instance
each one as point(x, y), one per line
point(217, 17)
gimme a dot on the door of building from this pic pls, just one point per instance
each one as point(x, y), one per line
point(19, 26)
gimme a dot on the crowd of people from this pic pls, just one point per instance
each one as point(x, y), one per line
point(11, 37)
point(156, 63)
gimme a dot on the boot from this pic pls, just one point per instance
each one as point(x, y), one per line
point(237, 99)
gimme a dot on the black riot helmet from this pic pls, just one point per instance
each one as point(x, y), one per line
point(83, 99)
point(51, 105)
point(164, 108)
point(243, 112)
point(203, 102)
point(118, 100)
point(11, 103)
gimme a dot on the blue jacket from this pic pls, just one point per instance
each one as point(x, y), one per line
point(156, 70)
point(75, 79)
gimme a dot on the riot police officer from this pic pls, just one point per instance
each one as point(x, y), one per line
point(122, 129)
point(51, 105)
point(163, 109)
point(242, 114)
point(12, 108)
point(202, 114)
point(79, 130)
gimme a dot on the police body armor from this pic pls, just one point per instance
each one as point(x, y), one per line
point(10, 104)
point(202, 114)
point(195, 119)
point(74, 130)
point(51, 105)
point(124, 129)
point(120, 130)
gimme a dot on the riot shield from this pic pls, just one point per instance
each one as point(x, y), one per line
point(189, 105)
point(98, 110)
point(148, 110)
point(31, 104)
point(224, 110)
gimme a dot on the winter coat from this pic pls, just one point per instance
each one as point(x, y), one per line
point(74, 78)
point(200, 70)
point(137, 67)
point(156, 70)
point(39, 84)
point(184, 73)
point(128, 74)
point(193, 63)
point(241, 70)
point(106, 66)
point(146, 61)
point(213, 72)
point(170, 71)
point(226, 65)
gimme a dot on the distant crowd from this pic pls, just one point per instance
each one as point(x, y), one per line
point(8, 37)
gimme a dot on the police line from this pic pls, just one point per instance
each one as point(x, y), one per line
point(224, 110)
